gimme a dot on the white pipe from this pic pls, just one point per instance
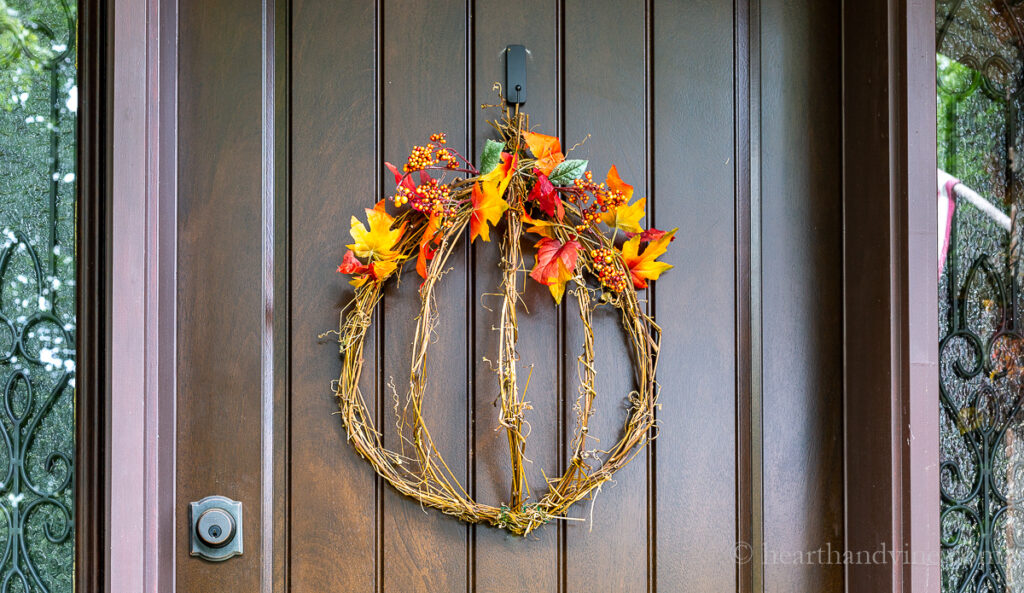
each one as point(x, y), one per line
point(977, 201)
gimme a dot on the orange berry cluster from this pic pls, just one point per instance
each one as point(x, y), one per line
point(590, 217)
point(610, 274)
point(448, 158)
point(432, 197)
point(604, 199)
point(420, 158)
point(424, 156)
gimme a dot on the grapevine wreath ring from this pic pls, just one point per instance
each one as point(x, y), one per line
point(526, 180)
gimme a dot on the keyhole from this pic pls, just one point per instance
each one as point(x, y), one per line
point(214, 531)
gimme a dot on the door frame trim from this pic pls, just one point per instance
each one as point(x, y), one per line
point(141, 427)
point(92, 298)
point(890, 294)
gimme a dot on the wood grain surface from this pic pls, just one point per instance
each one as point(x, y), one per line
point(667, 91)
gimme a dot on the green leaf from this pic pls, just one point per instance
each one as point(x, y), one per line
point(568, 171)
point(491, 156)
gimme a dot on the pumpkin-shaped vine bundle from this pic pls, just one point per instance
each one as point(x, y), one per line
point(588, 240)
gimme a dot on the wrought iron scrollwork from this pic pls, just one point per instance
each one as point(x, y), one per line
point(980, 87)
point(37, 377)
point(37, 320)
point(980, 394)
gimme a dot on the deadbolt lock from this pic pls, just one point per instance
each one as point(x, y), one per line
point(216, 532)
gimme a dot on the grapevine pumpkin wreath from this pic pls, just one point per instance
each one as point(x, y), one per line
point(588, 240)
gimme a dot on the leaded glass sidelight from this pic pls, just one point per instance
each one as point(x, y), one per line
point(980, 81)
point(38, 105)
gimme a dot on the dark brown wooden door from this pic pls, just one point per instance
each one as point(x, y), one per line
point(726, 115)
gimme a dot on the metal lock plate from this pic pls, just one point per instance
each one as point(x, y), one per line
point(216, 528)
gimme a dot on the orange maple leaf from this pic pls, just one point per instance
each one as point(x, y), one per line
point(378, 242)
point(488, 205)
point(547, 150)
point(642, 266)
point(615, 183)
point(556, 265)
point(426, 251)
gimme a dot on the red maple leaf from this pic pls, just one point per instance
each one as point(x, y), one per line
point(351, 265)
point(546, 196)
point(400, 179)
point(556, 265)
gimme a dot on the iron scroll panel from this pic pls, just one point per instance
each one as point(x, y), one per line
point(980, 394)
point(38, 115)
point(36, 487)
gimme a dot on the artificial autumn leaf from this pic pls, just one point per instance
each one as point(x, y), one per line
point(543, 228)
point(488, 205)
point(377, 271)
point(403, 180)
point(556, 265)
point(626, 217)
point(362, 273)
point(426, 254)
point(351, 265)
point(487, 211)
point(426, 251)
point(379, 241)
point(568, 171)
point(546, 196)
point(400, 179)
point(359, 280)
point(615, 183)
point(642, 266)
point(546, 149)
point(649, 235)
point(490, 156)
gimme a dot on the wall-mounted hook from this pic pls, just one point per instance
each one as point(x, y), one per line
point(515, 74)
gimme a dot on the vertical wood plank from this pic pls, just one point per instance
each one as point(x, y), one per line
point(694, 190)
point(747, 151)
point(504, 562)
point(802, 294)
point(333, 174)
point(604, 97)
point(424, 73)
point(219, 269)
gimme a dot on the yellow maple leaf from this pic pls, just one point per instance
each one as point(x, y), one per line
point(642, 266)
point(626, 217)
point(543, 228)
point(378, 242)
point(488, 205)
